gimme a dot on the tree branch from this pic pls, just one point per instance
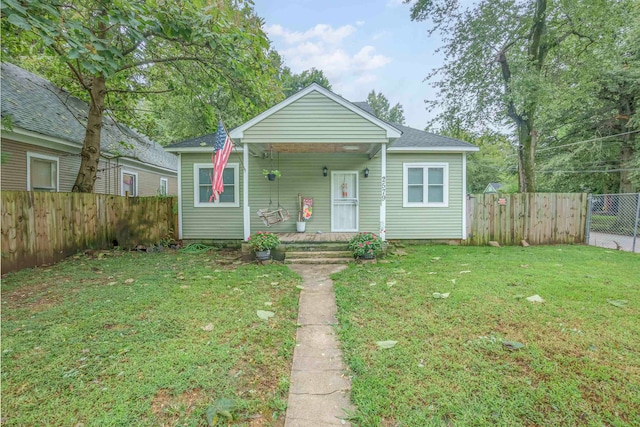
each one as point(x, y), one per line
point(159, 60)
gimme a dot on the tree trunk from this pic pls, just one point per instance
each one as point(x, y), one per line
point(90, 154)
point(527, 139)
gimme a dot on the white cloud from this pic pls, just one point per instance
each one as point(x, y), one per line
point(381, 34)
point(351, 68)
point(359, 23)
point(323, 32)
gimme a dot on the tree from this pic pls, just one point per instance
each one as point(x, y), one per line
point(380, 106)
point(495, 162)
point(114, 51)
point(293, 83)
point(502, 58)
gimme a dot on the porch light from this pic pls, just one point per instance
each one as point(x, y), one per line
point(325, 171)
point(366, 172)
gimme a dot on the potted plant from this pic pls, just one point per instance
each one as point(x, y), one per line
point(365, 245)
point(262, 242)
point(271, 175)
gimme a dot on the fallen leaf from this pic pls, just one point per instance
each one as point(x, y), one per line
point(535, 298)
point(435, 258)
point(391, 282)
point(465, 271)
point(524, 265)
point(386, 344)
point(222, 407)
point(129, 281)
point(432, 272)
point(453, 281)
point(268, 303)
point(300, 287)
point(372, 284)
point(513, 345)
point(208, 327)
point(265, 315)
point(438, 295)
point(618, 302)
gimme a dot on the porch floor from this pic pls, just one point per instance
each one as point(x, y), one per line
point(315, 237)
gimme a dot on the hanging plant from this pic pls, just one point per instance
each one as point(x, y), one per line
point(271, 175)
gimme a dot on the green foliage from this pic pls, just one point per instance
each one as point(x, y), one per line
point(293, 83)
point(449, 366)
point(149, 48)
point(365, 244)
point(382, 110)
point(263, 240)
point(275, 172)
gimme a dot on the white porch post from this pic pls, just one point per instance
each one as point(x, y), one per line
point(464, 196)
point(383, 191)
point(245, 191)
point(179, 196)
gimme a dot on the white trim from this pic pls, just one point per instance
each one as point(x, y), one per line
point(166, 180)
point(207, 149)
point(128, 172)
point(179, 196)
point(215, 204)
point(245, 193)
point(31, 155)
point(392, 132)
point(383, 192)
point(464, 196)
point(443, 149)
point(357, 192)
point(425, 203)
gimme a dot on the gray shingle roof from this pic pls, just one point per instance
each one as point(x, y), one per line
point(207, 140)
point(37, 105)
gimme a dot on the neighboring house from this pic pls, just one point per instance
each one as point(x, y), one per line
point(43, 135)
point(492, 188)
point(363, 174)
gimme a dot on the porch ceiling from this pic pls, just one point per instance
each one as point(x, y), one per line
point(317, 148)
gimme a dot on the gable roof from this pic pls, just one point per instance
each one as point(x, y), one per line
point(37, 105)
point(392, 131)
point(420, 140)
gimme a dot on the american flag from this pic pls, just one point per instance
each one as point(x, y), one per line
point(221, 150)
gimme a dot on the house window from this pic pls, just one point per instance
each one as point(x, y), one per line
point(425, 185)
point(129, 183)
point(42, 172)
point(203, 173)
point(164, 186)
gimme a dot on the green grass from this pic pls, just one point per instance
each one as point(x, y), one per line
point(581, 360)
point(83, 345)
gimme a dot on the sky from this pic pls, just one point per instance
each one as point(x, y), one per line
point(360, 45)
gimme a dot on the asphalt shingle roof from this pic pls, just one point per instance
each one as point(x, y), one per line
point(37, 105)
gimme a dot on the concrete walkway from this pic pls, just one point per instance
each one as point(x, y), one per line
point(319, 393)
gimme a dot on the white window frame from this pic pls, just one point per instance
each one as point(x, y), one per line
point(425, 183)
point(135, 174)
point(216, 203)
point(31, 155)
point(166, 184)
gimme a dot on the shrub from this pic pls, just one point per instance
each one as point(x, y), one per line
point(365, 244)
point(263, 241)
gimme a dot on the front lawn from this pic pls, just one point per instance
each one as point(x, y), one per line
point(147, 340)
point(580, 364)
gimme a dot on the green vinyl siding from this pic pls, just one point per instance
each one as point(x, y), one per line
point(315, 118)
point(209, 222)
point(423, 222)
point(302, 173)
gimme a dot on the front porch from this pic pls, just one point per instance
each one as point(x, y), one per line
point(315, 237)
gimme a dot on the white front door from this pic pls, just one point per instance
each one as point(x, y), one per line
point(344, 201)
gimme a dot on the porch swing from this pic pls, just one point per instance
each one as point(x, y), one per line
point(274, 215)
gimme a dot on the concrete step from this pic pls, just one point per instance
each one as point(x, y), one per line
point(314, 247)
point(319, 254)
point(317, 260)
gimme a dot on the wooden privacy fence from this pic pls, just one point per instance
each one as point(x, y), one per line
point(40, 228)
point(538, 218)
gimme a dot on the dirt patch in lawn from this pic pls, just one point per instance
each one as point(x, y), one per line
point(36, 297)
point(164, 404)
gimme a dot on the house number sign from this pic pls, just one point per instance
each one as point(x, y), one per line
point(384, 188)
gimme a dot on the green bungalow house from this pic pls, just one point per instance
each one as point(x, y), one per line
point(363, 174)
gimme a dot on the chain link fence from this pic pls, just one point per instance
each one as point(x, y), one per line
point(612, 221)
